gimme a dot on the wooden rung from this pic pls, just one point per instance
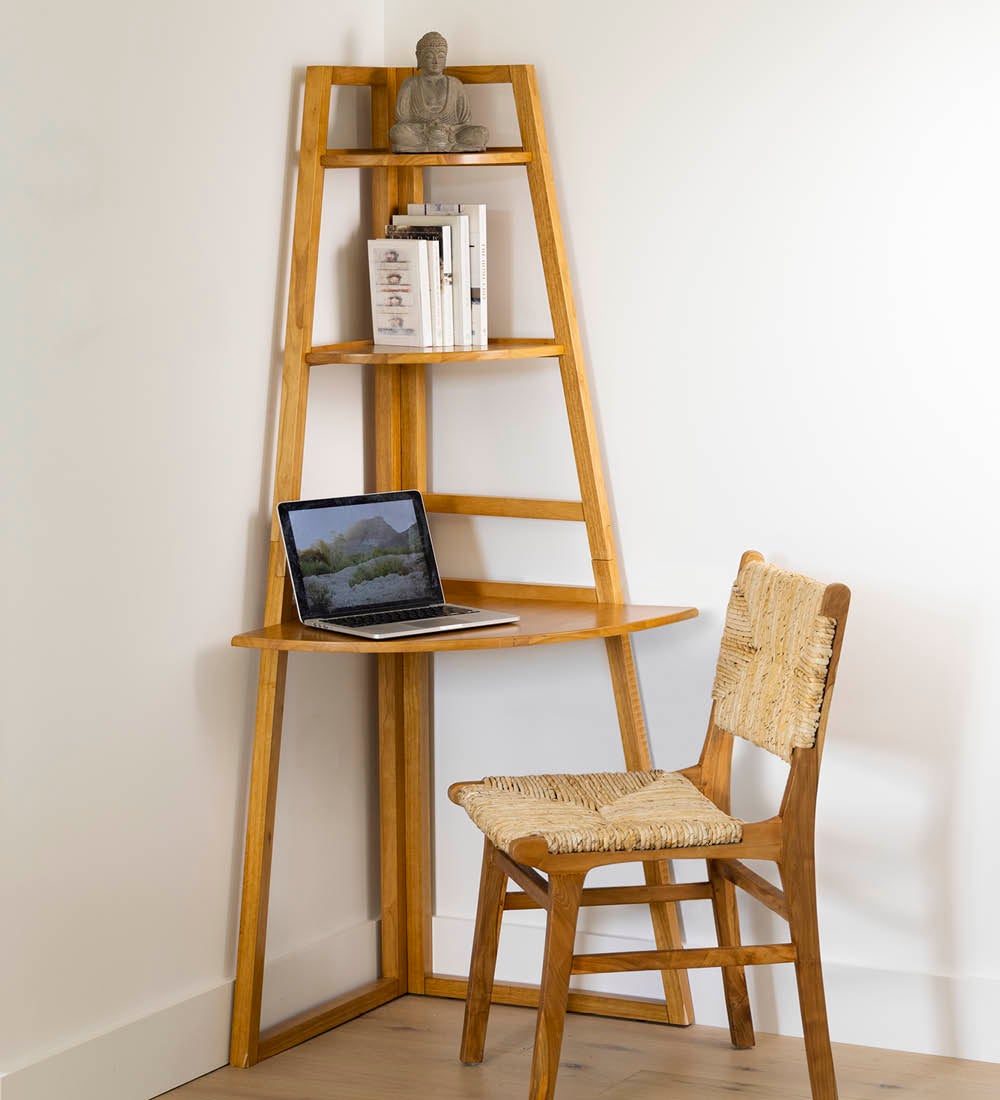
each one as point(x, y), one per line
point(616, 1005)
point(383, 158)
point(511, 507)
point(316, 1020)
point(531, 882)
point(480, 74)
point(616, 962)
point(361, 75)
point(625, 895)
point(358, 76)
point(462, 590)
point(755, 885)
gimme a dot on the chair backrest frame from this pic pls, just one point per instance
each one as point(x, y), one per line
point(714, 770)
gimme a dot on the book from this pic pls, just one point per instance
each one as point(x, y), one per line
point(477, 257)
point(434, 279)
point(461, 293)
point(441, 235)
point(399, 276)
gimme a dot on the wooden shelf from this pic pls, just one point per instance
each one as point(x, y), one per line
point(364, 351)
point(548, 613)
point(543, 622)
point(380, 158)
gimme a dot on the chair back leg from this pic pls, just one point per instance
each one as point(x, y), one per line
point(489, 913)
point(565, 892)
point(734, 980)
point(798, 876)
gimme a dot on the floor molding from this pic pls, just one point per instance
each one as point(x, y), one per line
point(158, 1052)
point(893, 1010)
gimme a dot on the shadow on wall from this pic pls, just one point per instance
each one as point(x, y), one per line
point(886, 817)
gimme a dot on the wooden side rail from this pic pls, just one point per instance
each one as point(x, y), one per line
point(755, 885)
point(623, 895)
point(691, 958)
point(332, 1013)
point(531, 882)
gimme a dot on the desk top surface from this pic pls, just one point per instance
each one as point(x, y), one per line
point(542, 622)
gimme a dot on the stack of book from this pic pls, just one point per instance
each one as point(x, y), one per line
point(428, 277)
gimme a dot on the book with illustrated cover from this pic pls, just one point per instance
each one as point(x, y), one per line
point(461, 293)
point(441, 236)
point(401, 296)
point(476, 212)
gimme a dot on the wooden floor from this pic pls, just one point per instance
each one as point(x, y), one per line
point(409, 1049)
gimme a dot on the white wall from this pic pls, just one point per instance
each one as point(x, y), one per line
point(149, 173)
point(782, 227)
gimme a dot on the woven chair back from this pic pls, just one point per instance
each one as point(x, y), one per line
point(773, 661)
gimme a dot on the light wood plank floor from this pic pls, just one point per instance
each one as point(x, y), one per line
point(409, 1049)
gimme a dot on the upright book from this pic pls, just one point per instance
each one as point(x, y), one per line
point(459, 225)
point(476, 212)
point(399, 276)
point(441, 236)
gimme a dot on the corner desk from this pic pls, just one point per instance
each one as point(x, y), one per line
point(404, 819)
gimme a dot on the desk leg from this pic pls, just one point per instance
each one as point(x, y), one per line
point(416, 677)
point(257, 859)
point(392, 816)
point(664, 914)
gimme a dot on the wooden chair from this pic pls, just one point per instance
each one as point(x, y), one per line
point(774, 679)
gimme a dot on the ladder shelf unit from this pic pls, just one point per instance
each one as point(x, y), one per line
point(549, 613)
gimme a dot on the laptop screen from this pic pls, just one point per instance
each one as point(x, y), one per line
point(349, 555)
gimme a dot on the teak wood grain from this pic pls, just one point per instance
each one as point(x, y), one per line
point(364, 352)
point(549, 613)
point(543, 622)
point(277, 604)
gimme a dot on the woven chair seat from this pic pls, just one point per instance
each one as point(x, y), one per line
point(600, 812)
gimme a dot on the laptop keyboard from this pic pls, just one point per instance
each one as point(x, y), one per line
point(379, 617)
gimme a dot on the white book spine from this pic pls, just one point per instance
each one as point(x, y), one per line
point(447, 291)
point(399, 277)
point(476, 212)
point(459, 224)
point(434, 279)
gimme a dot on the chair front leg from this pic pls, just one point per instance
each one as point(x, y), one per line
point(798, 877)
point(734, 981)
point(489, 913)
point(565, 892)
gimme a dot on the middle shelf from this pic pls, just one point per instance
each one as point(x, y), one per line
point(364, 351)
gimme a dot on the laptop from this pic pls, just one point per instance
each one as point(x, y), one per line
point(365, 565)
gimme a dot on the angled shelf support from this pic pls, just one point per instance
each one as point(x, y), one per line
point(550, 613)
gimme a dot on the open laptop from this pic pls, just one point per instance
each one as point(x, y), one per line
point(365, 565)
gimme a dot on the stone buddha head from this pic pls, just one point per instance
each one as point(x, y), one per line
point(432, 53)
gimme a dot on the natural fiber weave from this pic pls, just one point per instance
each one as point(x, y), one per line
point(775, 652)
point(603, 812)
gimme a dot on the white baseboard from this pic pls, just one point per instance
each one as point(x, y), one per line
point(894, 1010)
point(158, 1052)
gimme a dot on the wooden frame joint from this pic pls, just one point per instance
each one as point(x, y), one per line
point(530, 881)
point(755, 885)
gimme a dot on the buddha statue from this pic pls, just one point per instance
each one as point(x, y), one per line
point(432, 110)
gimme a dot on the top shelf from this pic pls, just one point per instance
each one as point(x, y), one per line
point(381, 158)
